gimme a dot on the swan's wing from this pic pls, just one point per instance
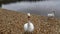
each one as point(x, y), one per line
point(25, 27)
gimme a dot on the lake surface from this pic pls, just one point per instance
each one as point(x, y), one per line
point(40, 7)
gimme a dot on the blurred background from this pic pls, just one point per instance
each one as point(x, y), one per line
point(39, 7)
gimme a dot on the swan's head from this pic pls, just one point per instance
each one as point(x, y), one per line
point(28, 14)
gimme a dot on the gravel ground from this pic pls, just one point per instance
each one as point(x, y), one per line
point(12, 22)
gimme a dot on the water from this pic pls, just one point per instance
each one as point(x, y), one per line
point(40, 7)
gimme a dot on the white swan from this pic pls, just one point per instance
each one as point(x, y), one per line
point(29, 27)
point(51, 14)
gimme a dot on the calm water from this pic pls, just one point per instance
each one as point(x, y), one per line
point(40, 8)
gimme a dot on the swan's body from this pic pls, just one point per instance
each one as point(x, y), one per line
point(51, 14)
point(29, 27)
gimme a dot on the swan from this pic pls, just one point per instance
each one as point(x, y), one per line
point(29, 27)
point(51, 14)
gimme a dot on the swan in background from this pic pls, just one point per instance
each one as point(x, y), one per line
point(29, 27)
point(51, 15)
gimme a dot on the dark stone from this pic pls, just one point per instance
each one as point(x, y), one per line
point(28, 33)
point(0, 5)
point(1, 32)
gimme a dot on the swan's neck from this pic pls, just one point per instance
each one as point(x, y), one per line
point(28, 23)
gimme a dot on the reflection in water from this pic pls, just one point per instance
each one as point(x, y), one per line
point(41, 7)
